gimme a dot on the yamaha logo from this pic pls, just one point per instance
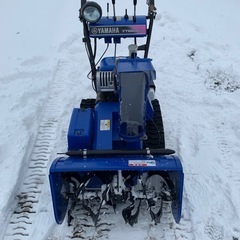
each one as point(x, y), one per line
point(94, 30)
point(105, 30)
point(117, 30)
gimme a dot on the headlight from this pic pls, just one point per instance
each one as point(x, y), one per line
point(91, 12)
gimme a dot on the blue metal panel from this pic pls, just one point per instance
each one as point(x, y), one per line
point(177, 205)
point(103, 124)
point(60, 203)
point(136, 65)
point(108, 64)
point(79, 164)
point(80, 129)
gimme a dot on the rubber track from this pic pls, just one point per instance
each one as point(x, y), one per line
point(154, 129)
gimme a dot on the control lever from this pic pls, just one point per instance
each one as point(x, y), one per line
point(134, 4)
point(114, 12)
point(126, 15)
point(107, 10)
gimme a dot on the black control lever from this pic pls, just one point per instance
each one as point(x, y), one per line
point(126, 14)
point(114, 12)
point(134, 4)
point(107, 10)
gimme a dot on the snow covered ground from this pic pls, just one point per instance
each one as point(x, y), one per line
point(195, 50)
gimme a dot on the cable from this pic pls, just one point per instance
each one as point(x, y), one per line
point(103, 54)
point(98, 60)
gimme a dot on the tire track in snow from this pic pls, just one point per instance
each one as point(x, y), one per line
point(176, 75)
point(184, 230)
point(211, 188)
point(28, 209)
point(21, 224)
point(225, 207)
point(209, 167)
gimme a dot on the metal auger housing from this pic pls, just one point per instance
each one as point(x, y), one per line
point(116, 146)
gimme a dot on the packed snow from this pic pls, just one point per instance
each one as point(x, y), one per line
point(195, 50)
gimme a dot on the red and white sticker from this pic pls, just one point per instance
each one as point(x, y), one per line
point(141, 163)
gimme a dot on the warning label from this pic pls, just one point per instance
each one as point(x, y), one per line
point(105, 125)
point(142, 163)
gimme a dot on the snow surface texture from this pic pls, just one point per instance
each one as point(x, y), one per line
point(195, 50)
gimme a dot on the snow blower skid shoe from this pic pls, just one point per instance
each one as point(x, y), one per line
point(116, 145)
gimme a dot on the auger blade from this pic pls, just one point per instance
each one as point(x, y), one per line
point(127, 214)
point(156, 216)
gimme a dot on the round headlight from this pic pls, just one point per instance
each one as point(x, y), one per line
point(91, 12)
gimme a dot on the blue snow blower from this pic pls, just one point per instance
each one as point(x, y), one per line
point(116, 146)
